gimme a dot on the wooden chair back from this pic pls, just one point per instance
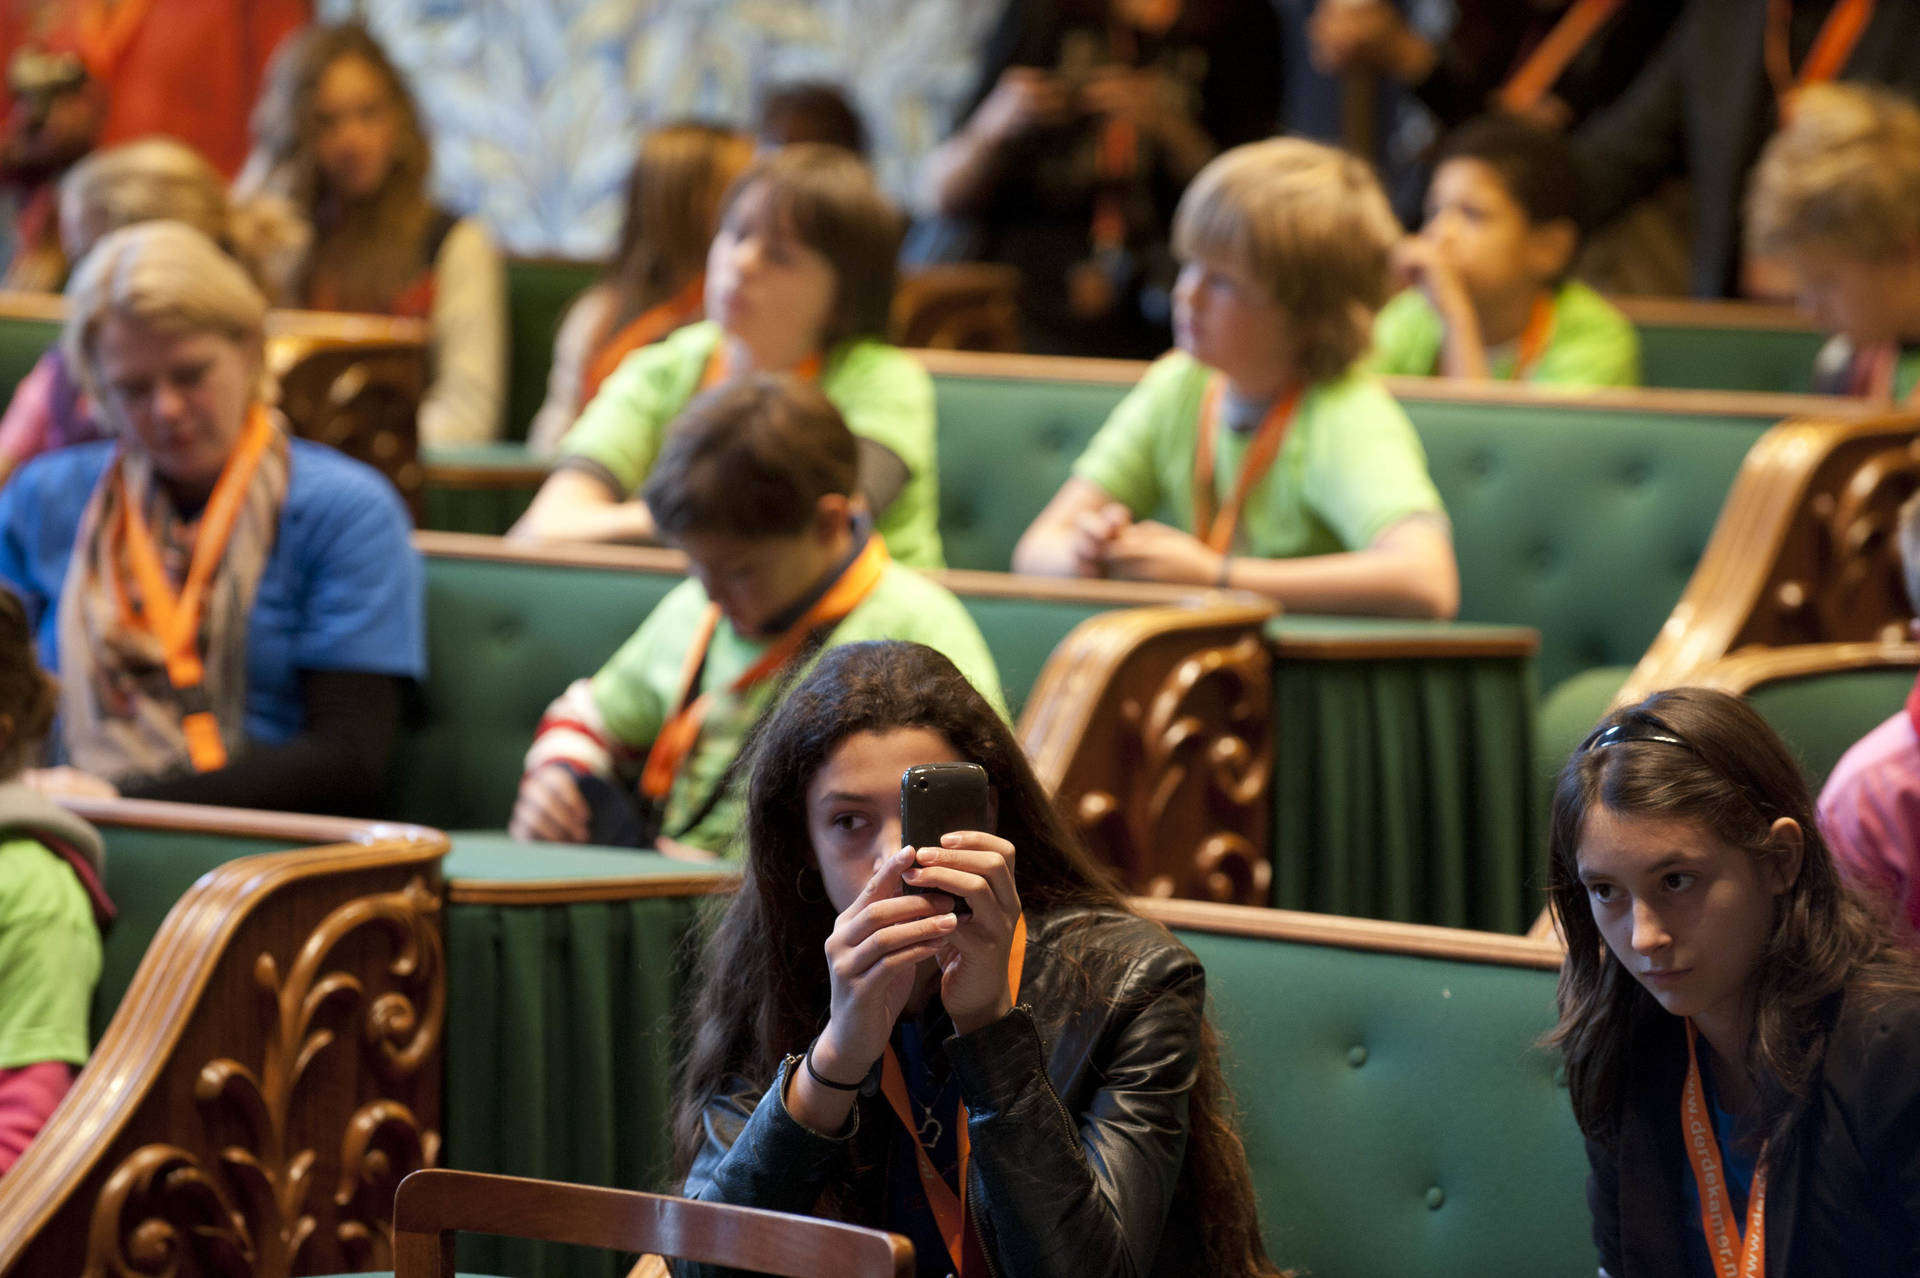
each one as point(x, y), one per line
point(432, 1204)
point(354, 383)
point(961, 306)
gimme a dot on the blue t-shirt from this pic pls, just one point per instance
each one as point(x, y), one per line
point(343, 588)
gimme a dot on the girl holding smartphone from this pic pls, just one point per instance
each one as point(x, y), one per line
point(1029, 1089)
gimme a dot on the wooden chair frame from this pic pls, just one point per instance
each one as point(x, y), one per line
point(432, 1204)
point(225, 1123)
point(1805, 550)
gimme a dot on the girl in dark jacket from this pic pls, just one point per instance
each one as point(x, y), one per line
point(1742, 1040)
point(1026, 1086)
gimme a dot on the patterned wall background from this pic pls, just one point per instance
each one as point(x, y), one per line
point(536, 104)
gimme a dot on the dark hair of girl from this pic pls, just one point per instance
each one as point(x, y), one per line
point(27, 693)
point(1733, 777)
point(826, 198)
point(763, 983)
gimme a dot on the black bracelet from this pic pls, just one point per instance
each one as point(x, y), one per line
point(807, 1060)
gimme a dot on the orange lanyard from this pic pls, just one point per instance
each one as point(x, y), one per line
point(1117, 152)
point(1831, 48)
point(1534, 337)
point(950, 1208)
point(720, 367)
point(1735, 1253)
point(1217, 530)
point(1582, 21)
point(174, 620)
point(677, 737)
point(644, 329)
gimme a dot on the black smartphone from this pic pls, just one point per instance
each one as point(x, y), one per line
point(937, 799)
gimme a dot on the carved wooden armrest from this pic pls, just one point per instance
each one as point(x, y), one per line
point(1805, 550)
point(1153, 727)
point(272, 1072)
point(1741, 672)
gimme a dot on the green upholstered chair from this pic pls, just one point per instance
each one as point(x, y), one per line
point(538, 293)
point(1398, 1113)
point(1581, 516)
point(508, 628)
point(1006, 444)
point(29, 324)
point(1820, 697)
point(1736, 346)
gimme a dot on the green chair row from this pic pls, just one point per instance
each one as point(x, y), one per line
point(1340, 765)
point(1579, 516)
point(1685, 344)
point(1401, 1106)
point(509, 627)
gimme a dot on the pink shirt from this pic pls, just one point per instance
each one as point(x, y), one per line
point(1870, 813)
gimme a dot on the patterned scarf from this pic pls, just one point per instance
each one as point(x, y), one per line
point(120, 714)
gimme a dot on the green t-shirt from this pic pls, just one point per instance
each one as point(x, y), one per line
point(1350, 468)
point(1592, 343)
point(634, 692)
point(49, 957)
point(884, 393)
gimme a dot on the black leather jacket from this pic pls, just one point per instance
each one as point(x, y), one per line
point(1843, 1198)
point(1077, 1106)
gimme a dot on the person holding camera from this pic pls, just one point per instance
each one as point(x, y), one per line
point(975, 1044)
point(1090, 118)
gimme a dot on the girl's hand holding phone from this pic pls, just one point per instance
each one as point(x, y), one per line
point(876, 945)
point(973, 958)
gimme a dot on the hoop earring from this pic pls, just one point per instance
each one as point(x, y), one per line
point(800, 887)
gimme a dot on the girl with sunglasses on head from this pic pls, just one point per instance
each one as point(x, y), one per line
point(1041, 1054)
point(1742, 1039)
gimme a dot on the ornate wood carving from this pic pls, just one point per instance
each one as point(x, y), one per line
point(362, 398)
point(263, 1189)
point(1805, 550)
point(1154, 727)
point(273, 1073)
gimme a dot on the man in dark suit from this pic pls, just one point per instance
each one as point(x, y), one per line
point(1710, 98)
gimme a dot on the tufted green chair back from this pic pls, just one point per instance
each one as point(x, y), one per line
point(1005, 446)
point(538, 293)
point(1580, 520)
point(1396, 1113)
point(1680, 353)
point(504, 637)
point(1821, 715)
point(22, 341)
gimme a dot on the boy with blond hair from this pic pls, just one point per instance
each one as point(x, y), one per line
point(1284, 468)
point(1835, 200)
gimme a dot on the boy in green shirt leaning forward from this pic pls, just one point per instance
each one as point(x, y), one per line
point(1490, 295)
point(1297, 474)
point(757, 484)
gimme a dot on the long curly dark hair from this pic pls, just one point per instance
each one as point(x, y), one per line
point(1733, 777)
point(763, 984)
